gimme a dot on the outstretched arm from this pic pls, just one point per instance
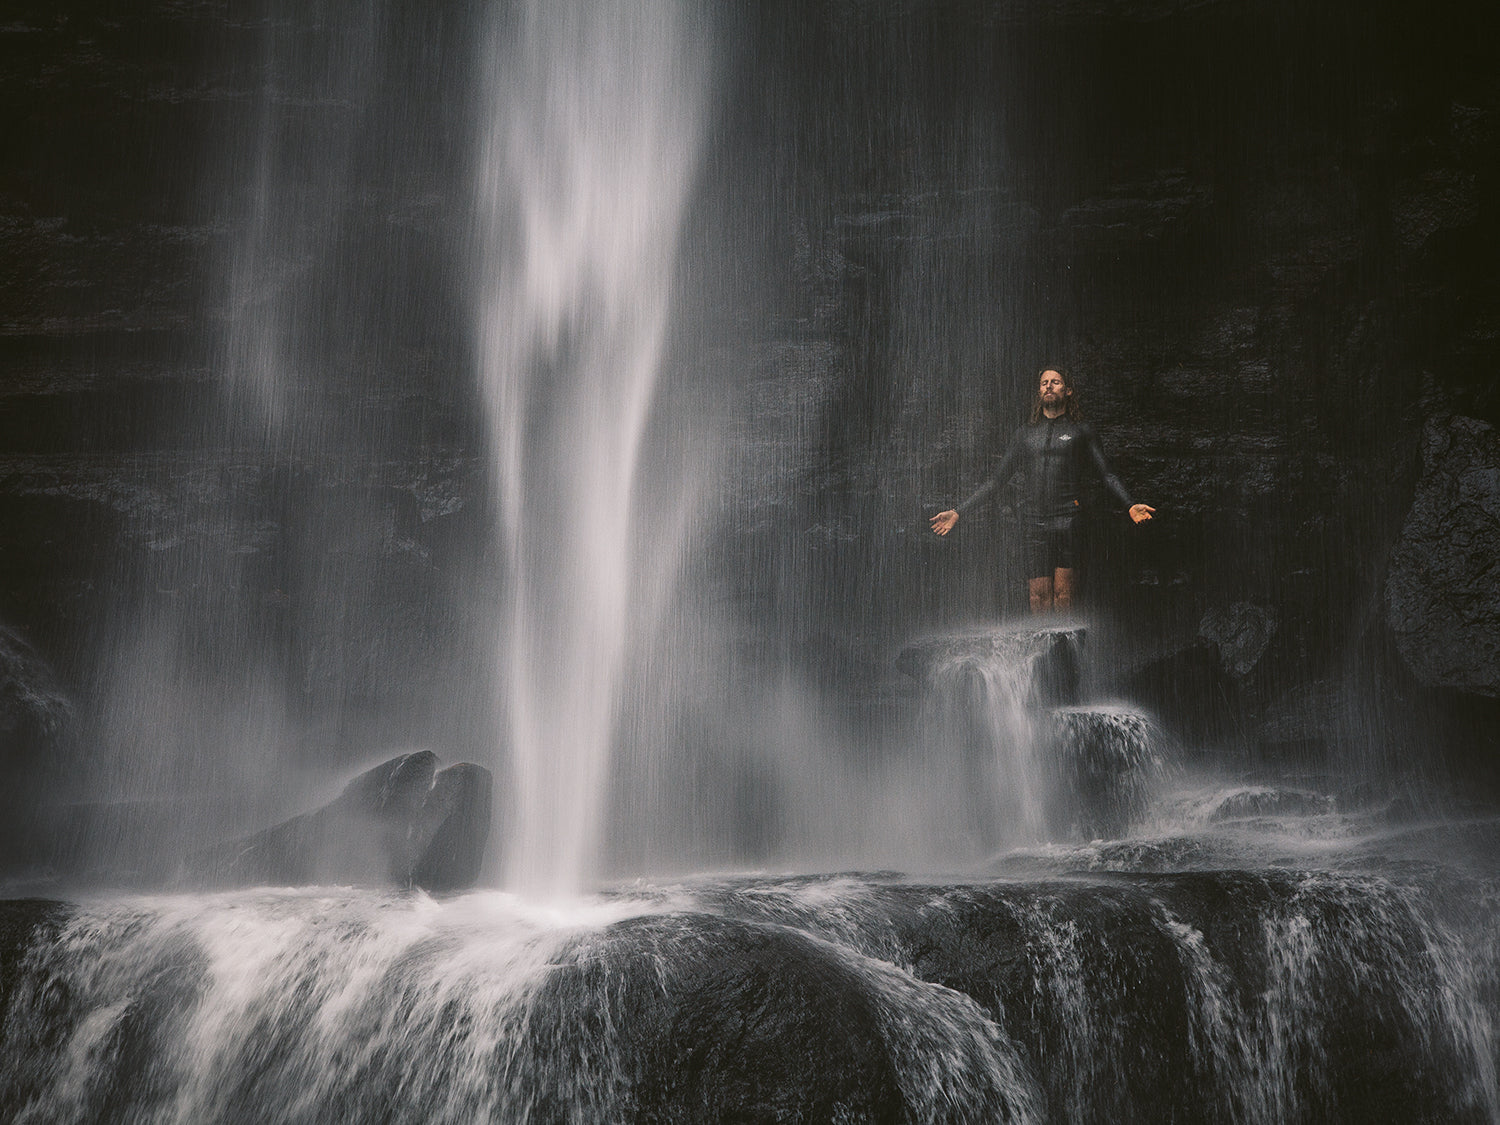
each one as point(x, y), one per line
point(1140, 513)
point(943, 522)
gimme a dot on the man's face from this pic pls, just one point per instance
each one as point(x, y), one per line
point(1053, 390)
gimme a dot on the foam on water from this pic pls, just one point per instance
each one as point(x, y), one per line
point(1241, 996)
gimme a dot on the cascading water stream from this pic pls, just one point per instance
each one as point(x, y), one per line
point(592, 117)
point(1254, 997)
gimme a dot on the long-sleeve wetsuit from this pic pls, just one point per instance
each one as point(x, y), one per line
point(1053, 456)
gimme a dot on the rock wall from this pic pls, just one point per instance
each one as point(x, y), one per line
point(1256, 232)
point(1442, 599)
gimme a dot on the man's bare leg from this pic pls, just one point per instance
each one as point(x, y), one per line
point(1040, 590)
point(1062, 588)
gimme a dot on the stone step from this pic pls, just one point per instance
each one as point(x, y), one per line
point(1105, 762)
point(1048, 657)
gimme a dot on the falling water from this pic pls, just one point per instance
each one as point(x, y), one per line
point(592, 120)
point(1255, 997)
point(979, 703)
point(1244, 951)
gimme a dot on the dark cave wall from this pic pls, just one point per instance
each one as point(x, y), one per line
point(1258, 234)
point(148, 511)
point(1261, 235)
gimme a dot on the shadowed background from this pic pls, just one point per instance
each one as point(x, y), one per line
point(1260, 235)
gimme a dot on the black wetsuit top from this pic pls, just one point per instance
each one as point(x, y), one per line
point(1052, 456)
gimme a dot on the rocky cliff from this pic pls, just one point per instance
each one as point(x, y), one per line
point(237, 437)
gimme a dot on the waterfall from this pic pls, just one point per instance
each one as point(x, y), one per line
point(592, 117)
point(1253, 997)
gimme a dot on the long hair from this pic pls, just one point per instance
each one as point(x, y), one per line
point(1071, 410)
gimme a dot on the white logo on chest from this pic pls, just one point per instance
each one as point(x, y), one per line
point(1064, 437)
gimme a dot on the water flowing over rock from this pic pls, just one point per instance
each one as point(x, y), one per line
point(404, 822)
point(1255, 997)
point(1107, 763)
point(1033, 762)
point(1048, 657)
point(574, 378)
point(1442, 595)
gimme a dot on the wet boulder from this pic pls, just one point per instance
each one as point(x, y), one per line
point(755, 1024)
point(1188, 996)
point(1105, 764)
point(1240, 632)
point(1442, 603)
point(454, 825)
point(1251, 801)
point(402, 823)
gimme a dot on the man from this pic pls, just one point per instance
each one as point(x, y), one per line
point(1053, 452)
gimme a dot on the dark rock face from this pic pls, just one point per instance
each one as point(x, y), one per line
point(1247, 232)
point(750, 1024)
point(996, 952)
point(1442, 596)
point(402, 823)
point(1189, 692)
point(34, 709)
point(454, 827)
point(36, 728)
point(1241, 633)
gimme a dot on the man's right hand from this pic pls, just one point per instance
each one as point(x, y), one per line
point(943, 522)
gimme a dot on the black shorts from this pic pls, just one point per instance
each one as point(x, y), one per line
point(1050, 546)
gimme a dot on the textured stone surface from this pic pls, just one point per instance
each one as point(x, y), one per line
point(402, 823)
point(1241, 633)
point(1106, 764)
point(34, 709)
point(903, 213)
point(1442, 595)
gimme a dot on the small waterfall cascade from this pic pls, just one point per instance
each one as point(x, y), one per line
point(1258, 997)
point(1037, 762)
point(591, 118)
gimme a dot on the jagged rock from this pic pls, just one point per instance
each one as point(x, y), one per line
point(1241, 633)
point(402, 823)
point(752, 1025)
point(1122, 997)
point(455, 824)
point(1442, 599)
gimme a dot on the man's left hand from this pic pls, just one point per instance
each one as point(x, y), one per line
point(1140, 513)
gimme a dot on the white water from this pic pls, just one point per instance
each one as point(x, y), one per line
point(1030, 769)
point(592, 120)
point(977, 708)
point(334, 1004)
